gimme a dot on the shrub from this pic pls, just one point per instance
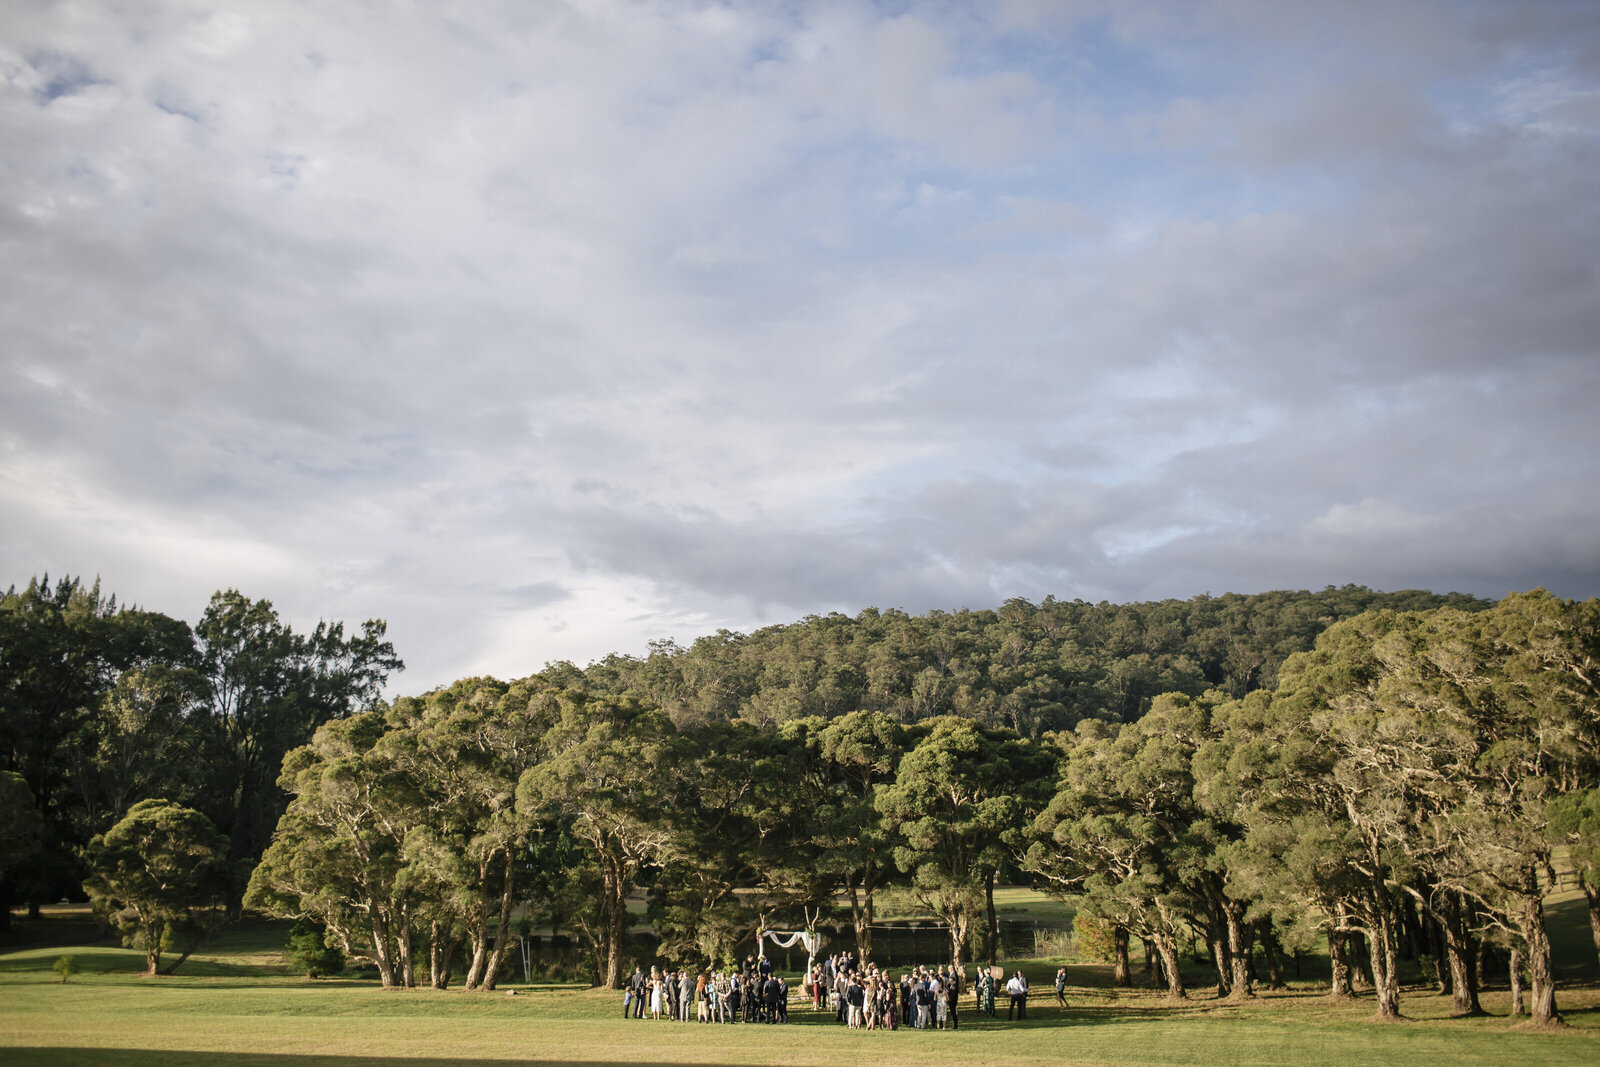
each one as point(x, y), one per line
point(66, 967)
point(1093, 938)
point(308, 950)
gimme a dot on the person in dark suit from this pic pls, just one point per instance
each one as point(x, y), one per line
point(769, 999)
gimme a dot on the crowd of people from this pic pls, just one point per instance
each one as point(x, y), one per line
point(751, 993)
point(861, 997)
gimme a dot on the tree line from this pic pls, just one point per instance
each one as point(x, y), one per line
point(1407, 780)
point(103, 706)
point(1386, 774)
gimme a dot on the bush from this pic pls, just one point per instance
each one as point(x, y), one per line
point(308, 950)
point(66, 967)
point(1094, 938)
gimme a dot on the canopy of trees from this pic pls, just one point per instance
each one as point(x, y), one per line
point(1387, 774)
point(103, 706)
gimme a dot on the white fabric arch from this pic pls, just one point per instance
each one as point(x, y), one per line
point(788, 938)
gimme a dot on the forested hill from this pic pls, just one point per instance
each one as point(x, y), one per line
point(1029, 667)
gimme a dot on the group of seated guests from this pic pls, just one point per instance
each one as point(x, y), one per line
point(752, 993)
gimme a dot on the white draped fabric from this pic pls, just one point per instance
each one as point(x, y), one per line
point(808, 938)
point(795, 937)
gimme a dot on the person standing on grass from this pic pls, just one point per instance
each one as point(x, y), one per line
point(1014, 991)
point(631, 997)
point(987, 991)
point(655, 993)
point(685, 995)
point(952, 997)
point(1061, 987)
point(922, 993)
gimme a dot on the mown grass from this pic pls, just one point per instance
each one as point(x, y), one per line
point(236, 1003)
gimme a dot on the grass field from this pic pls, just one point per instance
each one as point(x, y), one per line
point(237, 1004)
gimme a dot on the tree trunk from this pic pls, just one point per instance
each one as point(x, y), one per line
point(1458, 957)
point(152, 950)
point(478, 938)
point(1218, 939)
point(1238, 952)
point(1167, 947)
point(1516, 981)
point(860, 917)
point(1361, 960)
point(478, 930)
point(1152, 969)
point(1541, 976)
point(1122, 973)
point(1269, 945)
point(382, 951)
point(502, 930)
point(1385, 961)
point(408, 963)
point(959, 923)
point(992, 926)
point(1339, 960)
point(441, 947)
point(1439, 952)
point(614, 912)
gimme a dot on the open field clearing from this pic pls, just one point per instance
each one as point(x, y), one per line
point(235, 1002)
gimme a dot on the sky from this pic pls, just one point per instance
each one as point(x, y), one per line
point(544, 330)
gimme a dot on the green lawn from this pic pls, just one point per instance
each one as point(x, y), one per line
point(237, 1004)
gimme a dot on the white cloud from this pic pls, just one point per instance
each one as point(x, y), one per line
point(545, 330)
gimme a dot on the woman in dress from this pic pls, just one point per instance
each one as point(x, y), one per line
point(655, 993)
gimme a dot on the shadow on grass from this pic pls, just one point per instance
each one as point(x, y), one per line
point(100, 959)
point(101, 1057)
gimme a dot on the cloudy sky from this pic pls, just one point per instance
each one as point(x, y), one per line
point(544, 329)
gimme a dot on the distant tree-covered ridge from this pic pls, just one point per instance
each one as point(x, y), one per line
point(1027, 667)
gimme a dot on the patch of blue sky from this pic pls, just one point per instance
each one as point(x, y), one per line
point(1129, 544)
point(61, 76)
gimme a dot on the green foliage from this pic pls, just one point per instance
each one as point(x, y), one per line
point(160, 874)
point(62, 646)
point(267, 689)
point(1026, 667)
point(65, 966)
point(612, 766)
point(957, 809)
point(308, 951)
point(338, 853)
point(1093, 938)
point(21, 826)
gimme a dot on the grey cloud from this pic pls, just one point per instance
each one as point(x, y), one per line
point(713, 314)
point(537, 594)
